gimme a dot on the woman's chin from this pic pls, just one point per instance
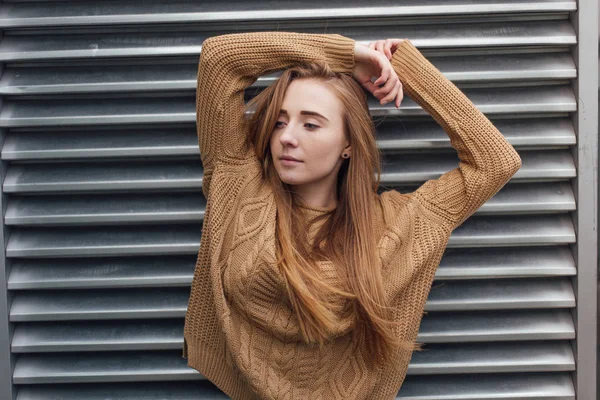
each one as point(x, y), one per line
point(290, 179)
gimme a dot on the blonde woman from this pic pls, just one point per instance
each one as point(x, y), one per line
point(309, 284)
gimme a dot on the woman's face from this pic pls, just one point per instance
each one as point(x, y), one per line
point(310, 129)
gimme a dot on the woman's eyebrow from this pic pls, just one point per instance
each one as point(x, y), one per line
point(306, 112)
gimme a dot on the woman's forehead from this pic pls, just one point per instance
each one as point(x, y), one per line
point(304, 97)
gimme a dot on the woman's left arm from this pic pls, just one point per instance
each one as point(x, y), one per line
point(486, 160)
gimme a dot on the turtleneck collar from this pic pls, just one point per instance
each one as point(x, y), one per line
point(316, 209)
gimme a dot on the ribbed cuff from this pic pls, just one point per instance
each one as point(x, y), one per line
point(407, 60)
point(430, 88)
point(337, 49)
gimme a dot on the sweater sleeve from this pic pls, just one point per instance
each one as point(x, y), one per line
point(229, 64)
point(486, 160)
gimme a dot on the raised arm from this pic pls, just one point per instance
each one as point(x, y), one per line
point(487, 160)
point(232, 62)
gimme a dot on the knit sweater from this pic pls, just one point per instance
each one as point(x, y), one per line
point(240, 329)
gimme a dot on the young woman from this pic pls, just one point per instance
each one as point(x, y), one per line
point(309, 284)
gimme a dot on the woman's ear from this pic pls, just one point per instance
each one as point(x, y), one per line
point(347, 153)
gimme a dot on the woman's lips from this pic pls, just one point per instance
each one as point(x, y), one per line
point(285, 161)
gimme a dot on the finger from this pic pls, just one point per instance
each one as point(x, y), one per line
point(372, 45)
point(399, 96)
point(382, 79)
point(389, 90)
point(388, 50)
point(385, 74)
point(389, 85)
point(379, 47)
point(396, 43)
point(369, 86)
point(390, 96)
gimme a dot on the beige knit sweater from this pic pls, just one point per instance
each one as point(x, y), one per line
point(240, 331)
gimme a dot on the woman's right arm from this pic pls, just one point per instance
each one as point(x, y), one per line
point(232, 62)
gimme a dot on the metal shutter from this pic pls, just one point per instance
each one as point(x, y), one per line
point(103, 202)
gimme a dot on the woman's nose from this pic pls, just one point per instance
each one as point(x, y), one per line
point(288, 136)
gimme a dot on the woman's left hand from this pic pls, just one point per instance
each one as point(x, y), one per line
point(369, 63)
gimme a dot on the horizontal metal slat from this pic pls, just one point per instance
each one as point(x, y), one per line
point(476, 358)
point(136, 110)
point(101, 209)
point(104, 209)
point(513, 325)
point(79, 273)
point(536, 165)
point(494, 295)
point(410, 135)
point(48, 47)
point(505, 100)
point(106, 304)
point(517, 262)
point(156, 240)
point(162, 76)
point(156, 12)
point(527, 230)
point(183, 390)
point(98, 336)
point(69, 177)
point(162, 271)
point(532, 198)
point(392, 136)
point(106, 176)
point(102, 367)
point(168, 334)
point(172, 302)
point(112, 143)
point(104, 242)
point(169, 365)
point(507, 386)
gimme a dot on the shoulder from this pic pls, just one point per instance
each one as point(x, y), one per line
point(392, 202)
point(239, 193)
point(231, 180)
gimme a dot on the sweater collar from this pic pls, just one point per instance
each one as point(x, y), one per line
point(315, 209)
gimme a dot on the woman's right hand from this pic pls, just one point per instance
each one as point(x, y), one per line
point(370, 62)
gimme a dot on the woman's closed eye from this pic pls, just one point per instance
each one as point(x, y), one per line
point(311, 127)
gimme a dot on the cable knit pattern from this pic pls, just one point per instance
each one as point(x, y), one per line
point(240, 330)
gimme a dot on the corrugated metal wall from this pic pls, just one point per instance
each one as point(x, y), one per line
point(103, 202)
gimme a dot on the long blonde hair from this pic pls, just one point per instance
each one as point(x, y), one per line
point(347, 238)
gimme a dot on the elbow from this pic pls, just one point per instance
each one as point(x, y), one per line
point(209, 48)
point(505, 167)
point(509, 166)
point(515, 163)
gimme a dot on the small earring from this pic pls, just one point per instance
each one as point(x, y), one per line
point(345, 155)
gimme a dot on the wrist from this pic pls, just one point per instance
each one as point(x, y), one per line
point(361, 52)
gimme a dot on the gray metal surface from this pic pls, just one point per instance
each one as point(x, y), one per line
point(172, 302)
point(104, 208)
point(511, 386)
point(190, 207)
point(130, 12)
point(166, 75)
point(126, 366)
point(167, 334)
